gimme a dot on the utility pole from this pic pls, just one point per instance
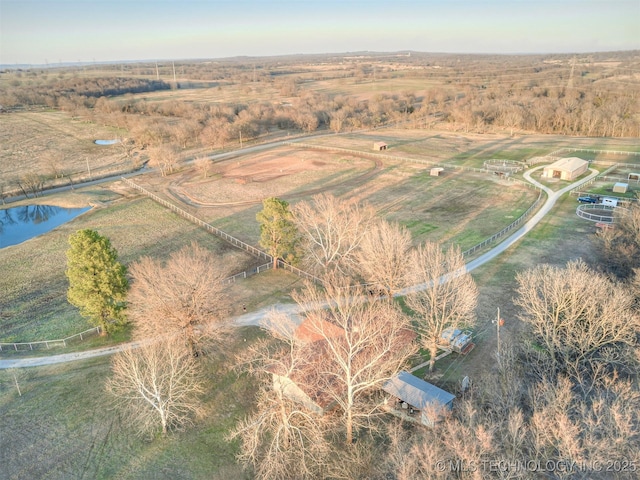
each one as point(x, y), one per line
point(241, 138)
point(499, 322)
point(157, 72)
point(174, 71)
point(88, 168)
point(573, 66)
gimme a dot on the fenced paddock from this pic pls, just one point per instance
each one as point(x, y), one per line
point(78, 337)
point(590, 212)
point(504, 166)
point(210, 228)
point(46, 344)
point(225, 236)
point(513, 164)
point(430, 163)
point(507, 229)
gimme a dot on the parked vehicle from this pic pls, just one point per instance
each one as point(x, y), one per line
point(457, 340)
point(587, 199)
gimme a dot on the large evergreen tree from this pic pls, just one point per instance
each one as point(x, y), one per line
point(97, 281)
point(278, 234)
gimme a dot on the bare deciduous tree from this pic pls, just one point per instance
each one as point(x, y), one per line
point(203, 165)
point(157, 385)
point(282, 439)
point(575, 314)
point(164, 157)
point(183, 297)
point(372, 342)
point(621, 245)
point(384, 256)
point(331, 231)
point(31, 183)
point(445, 294)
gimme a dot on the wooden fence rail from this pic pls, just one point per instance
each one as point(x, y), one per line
point(507, 229)
point(49, 343)
point(225, 236)
point(210, 228)
point(430, 163)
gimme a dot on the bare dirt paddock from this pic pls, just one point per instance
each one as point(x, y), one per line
point(460, 207)
point(279, 172)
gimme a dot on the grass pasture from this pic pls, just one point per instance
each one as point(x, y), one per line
point(34, 306)
point(51, 143)
point(472, 150)
point(64, 426)
point(458, 207)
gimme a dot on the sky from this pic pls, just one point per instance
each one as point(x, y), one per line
point(53, 31)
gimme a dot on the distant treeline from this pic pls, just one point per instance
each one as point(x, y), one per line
point(590, 95)
point(49, 93)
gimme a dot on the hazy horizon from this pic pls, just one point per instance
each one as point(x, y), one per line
point(37, 32)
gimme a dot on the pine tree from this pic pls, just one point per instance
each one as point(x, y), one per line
point(278, 234)
point(97, 281)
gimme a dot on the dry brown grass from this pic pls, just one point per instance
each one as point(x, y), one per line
point(457, 207)
point(33, 305)
point(47, 142)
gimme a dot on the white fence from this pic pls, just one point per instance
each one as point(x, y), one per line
point(586, 212)
point(247, 273)
point(507, 229)
point(225, 236)
point(297, 271)
point(62, 342)
point(210, 228)
point(610, 152)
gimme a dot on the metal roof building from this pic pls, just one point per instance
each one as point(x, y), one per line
point(566, 168)
point(416, 392)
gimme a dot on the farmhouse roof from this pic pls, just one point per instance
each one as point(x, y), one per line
point(416, 392)
point(568, 164)
point(316, 329)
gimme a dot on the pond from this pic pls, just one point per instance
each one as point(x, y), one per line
point(18, 224)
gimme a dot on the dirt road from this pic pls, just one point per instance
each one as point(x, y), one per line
point(256, 318)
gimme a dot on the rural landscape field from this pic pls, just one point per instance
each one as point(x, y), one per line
point(381, 186)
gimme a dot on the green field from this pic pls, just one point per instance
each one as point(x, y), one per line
point(64, 426)
point(33, 303)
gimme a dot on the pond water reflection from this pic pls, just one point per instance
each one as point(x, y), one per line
point(18, 224)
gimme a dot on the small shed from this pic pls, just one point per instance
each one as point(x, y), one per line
point(423, 396)
point(634, 176)
point(566, 168)
point(620, 187)
point(435, 172)
point(378, 146)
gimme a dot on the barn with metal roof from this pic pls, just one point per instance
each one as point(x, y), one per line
point(566, 168)
point(421, 395)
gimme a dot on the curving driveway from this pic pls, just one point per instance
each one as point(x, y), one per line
point(256, 318)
